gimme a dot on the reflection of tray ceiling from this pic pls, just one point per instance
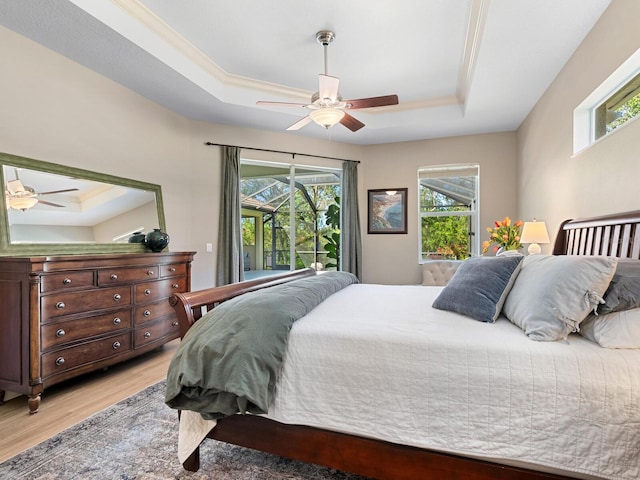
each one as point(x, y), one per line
point(86, 202)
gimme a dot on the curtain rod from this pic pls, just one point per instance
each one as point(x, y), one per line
point(280, 151)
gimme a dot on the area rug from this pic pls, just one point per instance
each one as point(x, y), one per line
point(137, 439)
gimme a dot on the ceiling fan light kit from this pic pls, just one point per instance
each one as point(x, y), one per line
point(22, 203)
point(327, 117)
point(22, 197)
point(327, 106)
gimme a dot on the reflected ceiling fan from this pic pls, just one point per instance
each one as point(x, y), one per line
point(327, 106)
point(22, 197)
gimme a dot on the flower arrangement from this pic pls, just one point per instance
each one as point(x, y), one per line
point(504, 235)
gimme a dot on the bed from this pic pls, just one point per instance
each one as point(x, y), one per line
point(478, 439)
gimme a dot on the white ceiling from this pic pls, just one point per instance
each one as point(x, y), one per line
point(458, 66)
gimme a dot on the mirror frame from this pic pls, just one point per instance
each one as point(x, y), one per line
point(26, 249)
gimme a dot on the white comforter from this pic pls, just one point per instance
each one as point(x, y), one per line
point(378, 361)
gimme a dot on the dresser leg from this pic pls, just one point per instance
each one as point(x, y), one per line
point(1, 397)
point(34, 403)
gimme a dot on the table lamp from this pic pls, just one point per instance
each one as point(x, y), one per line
point(534, 233)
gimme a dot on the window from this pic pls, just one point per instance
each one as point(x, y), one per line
point(285, 221)
point(448, 211)
point(611, 105)
point(618, 108)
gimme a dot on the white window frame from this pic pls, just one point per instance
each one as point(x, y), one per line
point(474, 213)
point(584, 116)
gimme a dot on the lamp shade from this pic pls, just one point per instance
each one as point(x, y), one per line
point(534, 233)
point(327, 117)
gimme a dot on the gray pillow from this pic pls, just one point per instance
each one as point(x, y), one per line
point(553, 294)
point(479, 287)
point(624, 290)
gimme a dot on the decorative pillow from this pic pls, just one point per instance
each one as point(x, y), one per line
point(553, 294)
point(613, 330)
point(624, 290)
point(479, 287)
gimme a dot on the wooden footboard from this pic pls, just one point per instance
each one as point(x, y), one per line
point(190, 306)
point(350, 453)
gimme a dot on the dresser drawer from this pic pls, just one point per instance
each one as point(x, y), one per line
point(114, 276)
point(56, 334)
point(152, 311)
point(59, 304)
point(173, 269)
point(67, 281)
point(68, 358)
point(156, 331)
point(148, 292)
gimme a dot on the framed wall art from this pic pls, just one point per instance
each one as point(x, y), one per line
point(387, 210)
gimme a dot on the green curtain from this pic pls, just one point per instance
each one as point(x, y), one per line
point(230, 230)
point(351, 240)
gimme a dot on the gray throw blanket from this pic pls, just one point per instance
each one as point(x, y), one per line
point(230, 359)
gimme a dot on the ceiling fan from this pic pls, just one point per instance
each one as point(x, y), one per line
point(327, 106)
point(22, 197)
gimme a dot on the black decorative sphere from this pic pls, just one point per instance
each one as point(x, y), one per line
point(157, 240)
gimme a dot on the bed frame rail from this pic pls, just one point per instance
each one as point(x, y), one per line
point(190, 306)
point(612, 235)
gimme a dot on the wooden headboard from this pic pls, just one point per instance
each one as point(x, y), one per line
point(614, 235)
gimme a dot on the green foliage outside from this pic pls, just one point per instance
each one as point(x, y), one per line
point(627, 111)
point(332, 219)
point(444, 236)
point(312, 231)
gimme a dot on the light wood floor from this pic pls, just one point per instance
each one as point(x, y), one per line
point(70, 402)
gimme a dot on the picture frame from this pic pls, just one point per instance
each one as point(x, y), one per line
point(387, 210)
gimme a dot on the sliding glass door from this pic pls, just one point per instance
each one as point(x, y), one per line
point(288, 218)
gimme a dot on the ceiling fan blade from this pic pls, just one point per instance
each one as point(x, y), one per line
point(50, 204)
point(328, 87)
point(281, 104)
point(300, 123)
point(15, 186)
point(351, 123)
point(383, 101)
point(57, 191)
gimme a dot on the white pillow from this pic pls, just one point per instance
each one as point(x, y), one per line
point(613, 330)
point(553, 294)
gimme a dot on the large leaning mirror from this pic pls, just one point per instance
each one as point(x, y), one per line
point(53, 209)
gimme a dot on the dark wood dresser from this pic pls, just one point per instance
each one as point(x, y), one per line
point(62, 316)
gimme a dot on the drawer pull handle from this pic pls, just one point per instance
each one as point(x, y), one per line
point(117, 297)
point(116, 321)
point(146, 313)
point(174, 324)
point(60, 333)
point(116, 345)
point(175, 285)
point(150, 272)
point(60, 305)
point(113, 276)
point(172, 269)
point(66, 281)
point(147, 292)
point(59, 361)
point(147, 334)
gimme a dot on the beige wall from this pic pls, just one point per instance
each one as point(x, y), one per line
point(554, 185)
point(394, 258)
point(56, 110)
